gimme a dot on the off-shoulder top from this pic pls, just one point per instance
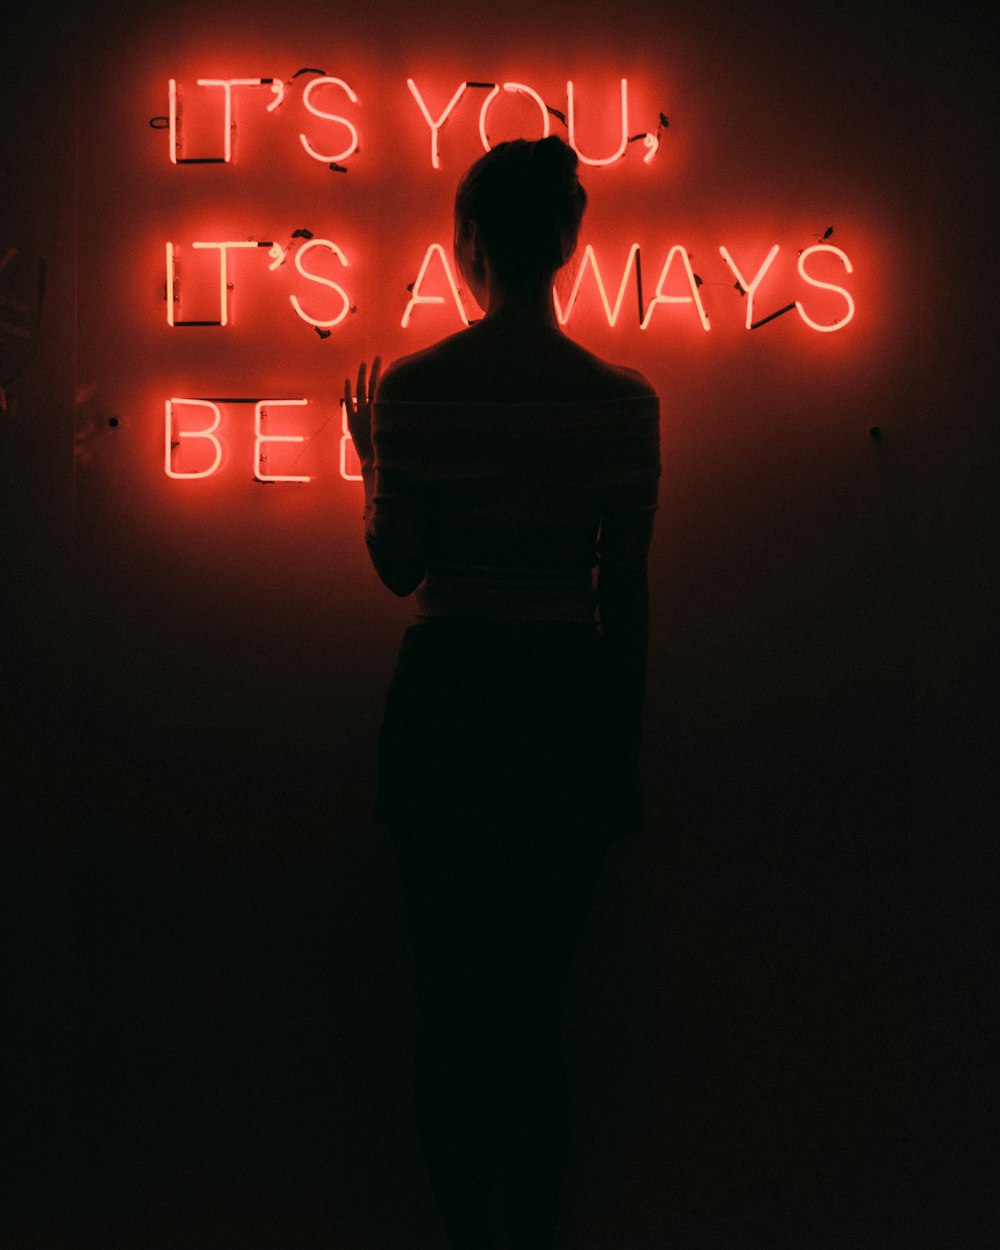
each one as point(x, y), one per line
point(504, 509)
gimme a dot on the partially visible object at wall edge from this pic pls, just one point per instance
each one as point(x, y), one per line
point(22, 286)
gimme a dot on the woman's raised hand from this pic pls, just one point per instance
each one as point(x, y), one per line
point(359, 409)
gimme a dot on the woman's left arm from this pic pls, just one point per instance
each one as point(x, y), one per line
point(391, 531)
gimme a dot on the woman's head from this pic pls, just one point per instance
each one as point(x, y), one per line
point(519, 207)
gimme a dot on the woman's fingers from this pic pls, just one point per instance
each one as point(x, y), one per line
point(364, 396)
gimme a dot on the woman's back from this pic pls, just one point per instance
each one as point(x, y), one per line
point(500, 457)
point(509, 362)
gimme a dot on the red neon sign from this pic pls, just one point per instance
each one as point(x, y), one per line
point(181, 443)
point(193, 447)
point(427, 290)
point(279, 89)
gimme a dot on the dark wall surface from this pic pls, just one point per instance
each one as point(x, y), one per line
point(776, 1013)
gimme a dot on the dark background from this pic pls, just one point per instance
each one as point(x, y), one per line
point(778, 1008)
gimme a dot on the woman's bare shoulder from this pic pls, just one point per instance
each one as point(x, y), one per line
point(606, 380)
point(479, 365)
point(419, 376)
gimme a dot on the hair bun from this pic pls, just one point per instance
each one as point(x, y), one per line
point(527, 201)
point(555, 159)
point(556, 152)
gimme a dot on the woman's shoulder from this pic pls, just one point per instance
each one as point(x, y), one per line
point(472, 366)
point(607, 381)
point(418, 377)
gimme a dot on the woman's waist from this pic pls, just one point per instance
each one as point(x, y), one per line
point(547, 594)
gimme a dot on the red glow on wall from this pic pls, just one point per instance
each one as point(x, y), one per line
point(766, 413)
point(346, 179)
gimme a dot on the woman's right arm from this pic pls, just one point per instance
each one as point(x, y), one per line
point(392, 531)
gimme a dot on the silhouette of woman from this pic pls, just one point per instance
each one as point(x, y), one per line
point(501, 467)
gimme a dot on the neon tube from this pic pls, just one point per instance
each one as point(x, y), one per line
point(590, 256)
point(333, 117)
point(170, 284)
point(347, 449)
point(227, 85)
point(415, 294)
point(571, 127)
point(208, 433)
point(260, 413)
point(516, 88)
point(491, 96)
point(223, 279)
point(660, 298)
point(826, 286)
point(172, 117)
point(749, 287)
point(435, 125)
point(315, 277)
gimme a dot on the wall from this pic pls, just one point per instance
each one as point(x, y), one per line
point(197, 665)
point(251, 608)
